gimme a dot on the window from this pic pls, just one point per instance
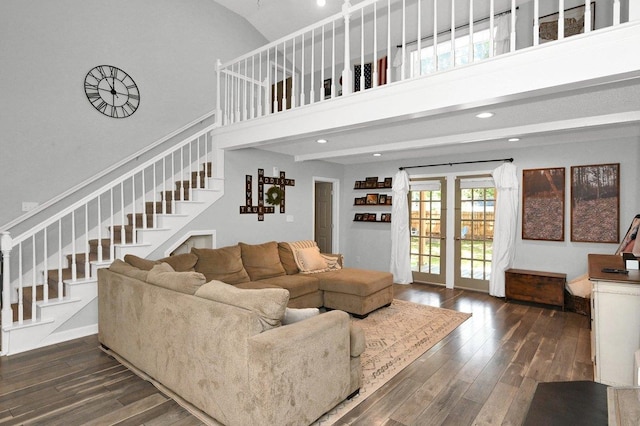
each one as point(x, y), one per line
point(426, 63)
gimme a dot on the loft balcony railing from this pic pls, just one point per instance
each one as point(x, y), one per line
point(381, 42)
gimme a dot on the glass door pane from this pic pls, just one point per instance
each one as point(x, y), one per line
point(475, 203)
point(428, 226)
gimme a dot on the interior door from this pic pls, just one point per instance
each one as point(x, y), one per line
point(428, 207)
point(324, 216)
point(475, 214)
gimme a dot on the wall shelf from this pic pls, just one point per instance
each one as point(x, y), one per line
point(375, 198)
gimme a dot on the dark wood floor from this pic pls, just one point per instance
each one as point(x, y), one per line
point(484, 373)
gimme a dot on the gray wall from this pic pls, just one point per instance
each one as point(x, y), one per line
point(232, 227)
point(170, 49)
point(52, 138)
point(368, 245)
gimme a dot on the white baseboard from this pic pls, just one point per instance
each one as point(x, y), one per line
point(67, 335)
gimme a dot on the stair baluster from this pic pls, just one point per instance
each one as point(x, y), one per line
point(189, 169)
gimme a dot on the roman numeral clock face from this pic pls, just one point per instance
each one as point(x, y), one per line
point(112, 91)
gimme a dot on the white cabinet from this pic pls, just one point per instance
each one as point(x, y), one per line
point(615, 316)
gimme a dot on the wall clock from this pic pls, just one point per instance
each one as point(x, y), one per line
point(112, 91)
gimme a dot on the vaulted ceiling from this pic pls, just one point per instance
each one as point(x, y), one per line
point(277, 18)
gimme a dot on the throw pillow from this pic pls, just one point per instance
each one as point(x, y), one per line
point(268, 303)
point(163, 275)
point(333, 261)
point(310, 260)
point(183, 262)
point(261, 261)
point(286, 258)
point(139, 262)
point(179, 262)
point(223, 264)
point(292, 315)
point(130, 271)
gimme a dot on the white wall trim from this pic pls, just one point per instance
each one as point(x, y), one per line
point(193, 233)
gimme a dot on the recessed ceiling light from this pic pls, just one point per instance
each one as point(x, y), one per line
point(377, 154)
point(321, 141)
point(513, 139)
point(484, 115)
point(321, 2)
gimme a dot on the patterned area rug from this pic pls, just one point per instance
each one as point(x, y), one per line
point(396, 336)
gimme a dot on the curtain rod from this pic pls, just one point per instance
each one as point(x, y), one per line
point(510, 160)
point(459, 27)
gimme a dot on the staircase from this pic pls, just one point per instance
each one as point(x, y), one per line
point(49, 273)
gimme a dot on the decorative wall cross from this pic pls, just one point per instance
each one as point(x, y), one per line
point(282, 182)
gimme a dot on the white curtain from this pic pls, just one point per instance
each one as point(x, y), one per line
point(504, 233)
point(502, 38)
point(400, 239)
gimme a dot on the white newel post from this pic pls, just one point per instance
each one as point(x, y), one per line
point(7, 314)
point(346, 72)
point(218, 112)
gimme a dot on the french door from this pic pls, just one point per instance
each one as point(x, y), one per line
point(475, 216)
point(468, 217)
point(428, 207)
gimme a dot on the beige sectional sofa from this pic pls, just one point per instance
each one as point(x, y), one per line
point(207, 325)
point(223, 349)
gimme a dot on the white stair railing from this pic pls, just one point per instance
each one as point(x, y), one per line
point(71, 245)
point(378, 42)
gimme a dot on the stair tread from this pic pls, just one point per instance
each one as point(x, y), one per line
point(53, 274)
point(195, 180)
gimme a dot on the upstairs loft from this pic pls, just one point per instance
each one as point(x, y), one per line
point(547, 74)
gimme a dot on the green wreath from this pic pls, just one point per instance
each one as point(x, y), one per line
point(274, 195)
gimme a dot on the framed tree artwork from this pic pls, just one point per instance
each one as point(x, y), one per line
point(595, 203)
point(543, 204)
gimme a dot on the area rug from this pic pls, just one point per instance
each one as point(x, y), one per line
point(395, 336)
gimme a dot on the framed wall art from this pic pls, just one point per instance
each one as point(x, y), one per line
point(595, 203)
point(326, 85)
point(372, 198)
point(573, 23)
point(543, 204)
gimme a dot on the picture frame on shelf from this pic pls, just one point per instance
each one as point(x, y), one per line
point(386, 217)
point(382, 199)
point(389, 200)
point(388, 182)
point(372, 199)
point(372, 217)
point(359, 201)
point(358, 217)
point(356, 185)
point(371, 182)
point(380, 184)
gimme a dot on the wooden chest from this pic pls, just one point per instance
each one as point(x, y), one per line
point(535, 286)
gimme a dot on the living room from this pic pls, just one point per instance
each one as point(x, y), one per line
point(160, 54)
point(174, 95)
point(171, 50)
